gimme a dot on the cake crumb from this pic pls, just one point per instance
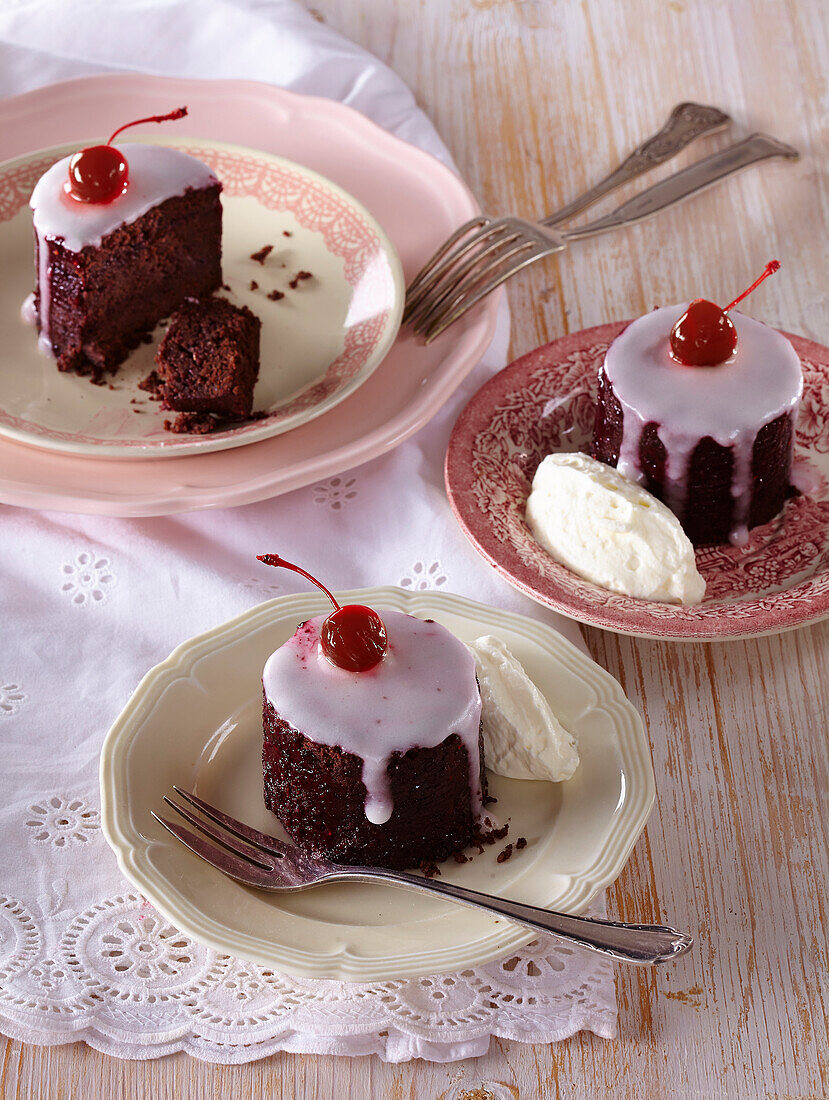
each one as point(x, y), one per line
point(488, 835)
point(254, 285)
point(225, 286)
point(276, 296)
point(262, 254)
point(505, 855)
point(461, 858)
point(521, 843)
point(298, 278)
point(286, 233)
point(151, 385)
point(192, 423)
point(490, 800)
point(430, 869)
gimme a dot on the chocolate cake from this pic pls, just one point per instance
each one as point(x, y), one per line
point(383, 767)
point(714, 442)
point(108, 272)
point(208, 361)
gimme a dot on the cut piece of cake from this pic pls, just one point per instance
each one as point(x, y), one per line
point(713, 442)
point(108, 272)
point(381, 767)
point(208, 361)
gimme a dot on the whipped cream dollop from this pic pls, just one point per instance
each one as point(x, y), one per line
point(610, 531)
point(523, 739)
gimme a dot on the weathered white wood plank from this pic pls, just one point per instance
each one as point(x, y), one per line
point(536, 99)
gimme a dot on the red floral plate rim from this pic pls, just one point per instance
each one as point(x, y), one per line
point(543, 402)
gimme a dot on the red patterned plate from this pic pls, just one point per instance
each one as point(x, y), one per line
point(543, 402)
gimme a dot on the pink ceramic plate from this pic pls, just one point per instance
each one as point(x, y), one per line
point(415, 199)
point(543, 402)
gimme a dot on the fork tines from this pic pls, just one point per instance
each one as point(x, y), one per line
point(235, 849)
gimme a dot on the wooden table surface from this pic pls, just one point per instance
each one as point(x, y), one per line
point(536, 99)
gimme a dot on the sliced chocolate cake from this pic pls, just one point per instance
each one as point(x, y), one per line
point(208, 361)
point(109, 271)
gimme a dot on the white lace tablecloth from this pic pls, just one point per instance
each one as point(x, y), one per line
point(90, 603)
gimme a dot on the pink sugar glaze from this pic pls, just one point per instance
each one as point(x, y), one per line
point(422, 691)
point(730, 402)
point(156, 173)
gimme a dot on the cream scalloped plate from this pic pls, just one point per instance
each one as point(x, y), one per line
point(195, 720)
point(320, 341)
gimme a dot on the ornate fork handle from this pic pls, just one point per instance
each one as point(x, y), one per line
point(642, 944)
point(686, 123)
point(689, 181)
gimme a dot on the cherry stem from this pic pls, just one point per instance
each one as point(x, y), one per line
point(179, 112)
point(770, 268)
point(275, 560)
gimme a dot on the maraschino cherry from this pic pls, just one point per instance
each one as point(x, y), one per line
point(352, 637)
point(100, 173)
point(704, 336)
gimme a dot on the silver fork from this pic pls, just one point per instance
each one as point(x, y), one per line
point(686, 123)
point(492, 263)
point(256, 859)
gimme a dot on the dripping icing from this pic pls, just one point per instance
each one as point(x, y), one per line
point(422, 691)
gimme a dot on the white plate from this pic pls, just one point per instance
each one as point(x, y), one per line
point(318, 343)
point(195, 720)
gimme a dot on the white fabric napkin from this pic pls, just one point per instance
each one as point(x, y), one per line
point(90, 603)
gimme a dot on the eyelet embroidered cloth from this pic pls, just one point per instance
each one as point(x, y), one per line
point(90, 603)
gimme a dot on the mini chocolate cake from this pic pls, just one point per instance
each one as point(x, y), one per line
point(383, 767)
point(208, 361)
point(714, 443)
point(109, 272)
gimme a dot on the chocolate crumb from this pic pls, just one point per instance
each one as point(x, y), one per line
point(225, 286)
point(285, 233)
point(521, 843)
point(262, 254)
point(298, 278)
point(152, 385)
point(137, 410)
point(429, 869)
point(484, 835)
point(461, 858)
point(505, 855)
point(276, 296)
point(192, 423)
point(490, 800)
point(254, 285)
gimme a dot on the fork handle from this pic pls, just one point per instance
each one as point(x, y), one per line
point(686, 123)
point(642, 944)
point(697, 177)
